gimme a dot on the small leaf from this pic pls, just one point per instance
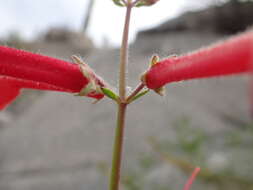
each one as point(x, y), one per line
point(110, 94)
point(140, 4)
point(139, 95)
point(118, 2)
point(146, 3)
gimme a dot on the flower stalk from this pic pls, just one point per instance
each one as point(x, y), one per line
point(135, 92)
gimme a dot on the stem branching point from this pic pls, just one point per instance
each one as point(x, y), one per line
point(119, 133)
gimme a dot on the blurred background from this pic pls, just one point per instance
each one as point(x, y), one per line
point(57, 141)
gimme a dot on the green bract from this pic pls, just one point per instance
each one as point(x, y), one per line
point(146, 3)
point(139, 95)
point(119, 3)
point(110, 94)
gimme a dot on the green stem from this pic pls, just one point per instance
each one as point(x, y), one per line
point(122, 105)
point(136, 91)
point(124, 55)
point(118, 143)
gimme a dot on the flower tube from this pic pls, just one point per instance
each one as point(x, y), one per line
point(20, 69)
point(228, 57)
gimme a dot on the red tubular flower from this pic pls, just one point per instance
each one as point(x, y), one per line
point(20, 69)
point(232, 56)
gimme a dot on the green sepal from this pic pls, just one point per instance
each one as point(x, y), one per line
point(92, 87)
point(89, 88)
point(160, 91)
point(154, 60)
point(139, 95)
point(118, 2)
point(110, 94)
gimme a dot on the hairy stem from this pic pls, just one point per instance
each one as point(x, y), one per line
point(122, 105)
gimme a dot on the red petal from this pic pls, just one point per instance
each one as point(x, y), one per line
point(21, 69)
point(228, 57)
point(8, 93)
point(42, 69)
